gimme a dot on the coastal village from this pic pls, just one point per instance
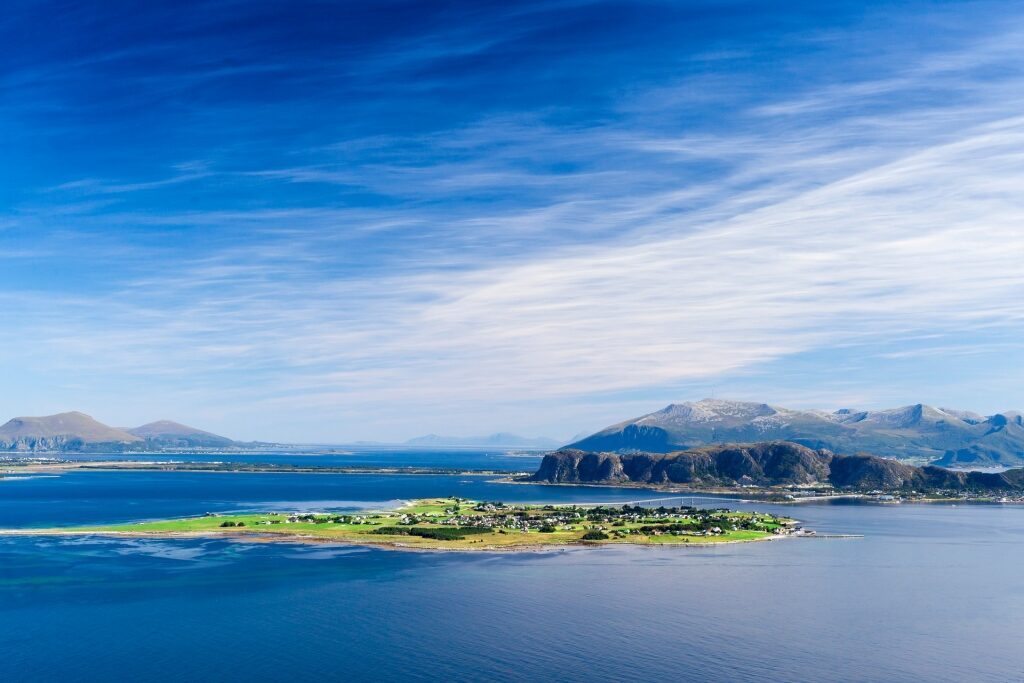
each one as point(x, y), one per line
point(462, 524)
point(458, 519)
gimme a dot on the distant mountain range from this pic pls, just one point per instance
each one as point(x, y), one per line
point(767, 464)
point(919, 432)
point(76, 431)
point(499, 440)
point(175, 434)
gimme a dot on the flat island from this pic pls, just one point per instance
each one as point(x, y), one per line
point(460, 524)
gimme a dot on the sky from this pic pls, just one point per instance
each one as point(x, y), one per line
point(333, 221)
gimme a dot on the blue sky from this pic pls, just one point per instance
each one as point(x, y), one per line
point(337, 221)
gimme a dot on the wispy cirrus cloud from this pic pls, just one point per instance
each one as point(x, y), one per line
point(928, 242)
point(523, 269)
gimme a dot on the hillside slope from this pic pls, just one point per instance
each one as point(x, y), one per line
point(765, 464)
point(166, 433)
point(64, 431)
point(918, 432)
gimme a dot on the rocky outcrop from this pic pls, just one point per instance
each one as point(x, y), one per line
point(575, 467)
point(765, 464)
point(731, 464)
point(47, 443)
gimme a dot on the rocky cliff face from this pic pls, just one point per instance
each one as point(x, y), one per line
point(48, 443)
point(764, 464)
point(576, 467)
point(65, 444)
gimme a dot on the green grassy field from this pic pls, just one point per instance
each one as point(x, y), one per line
point(454, 524)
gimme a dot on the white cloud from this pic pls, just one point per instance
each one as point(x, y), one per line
point(931, 242)
point(858, 230)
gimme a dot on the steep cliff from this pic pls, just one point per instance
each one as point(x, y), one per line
point(765, 464)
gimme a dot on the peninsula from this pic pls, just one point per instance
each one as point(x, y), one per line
point(460, 524)
point(778, 469)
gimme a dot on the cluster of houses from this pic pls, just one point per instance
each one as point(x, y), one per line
point(309, 518)
point(675, 521)
point(618, 521)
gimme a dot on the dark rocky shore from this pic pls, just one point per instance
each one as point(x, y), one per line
point(777, 463)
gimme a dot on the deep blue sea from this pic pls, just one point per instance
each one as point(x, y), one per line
point(931, 593)
point(355, 456)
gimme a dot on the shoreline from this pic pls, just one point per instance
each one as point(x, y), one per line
point(265, 537)
point(765, 496)
point(745, 496)
point(748, 495)
point(459, 524)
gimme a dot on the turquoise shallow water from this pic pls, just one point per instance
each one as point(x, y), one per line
point(932, 593)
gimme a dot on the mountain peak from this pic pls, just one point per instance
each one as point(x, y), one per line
point(918, 431)
point(912, 416)
point(175, 433)
point(74, 430)
point(69, 425)
point(709, 410)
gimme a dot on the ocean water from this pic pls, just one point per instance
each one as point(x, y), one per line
point(931, 593)
point(506, 460)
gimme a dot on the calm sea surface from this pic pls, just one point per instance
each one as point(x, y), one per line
point(355, 456)
point(932, 593)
